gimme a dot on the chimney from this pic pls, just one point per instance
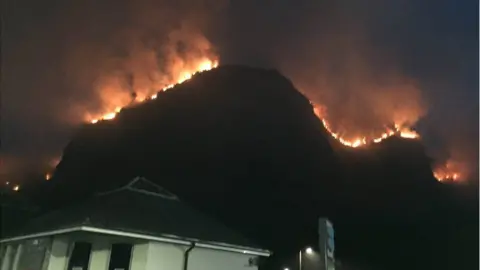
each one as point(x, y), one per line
point(326, 243)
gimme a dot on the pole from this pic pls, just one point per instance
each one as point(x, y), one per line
point(300, 260)
point(325, 254)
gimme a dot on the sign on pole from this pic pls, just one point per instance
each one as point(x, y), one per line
point(326, 243)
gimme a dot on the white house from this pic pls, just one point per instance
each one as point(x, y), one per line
point(137, 227)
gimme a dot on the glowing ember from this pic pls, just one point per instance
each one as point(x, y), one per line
point(184, 76)
point(447, 172)
point(406, 133)
point(402, 132)
point(445, 176)
point(409, 134)
point(16, 188)
point(48, 176)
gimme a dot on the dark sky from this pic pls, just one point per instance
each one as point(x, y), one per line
point(420, 56)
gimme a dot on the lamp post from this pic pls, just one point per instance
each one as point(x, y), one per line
point(308, 250)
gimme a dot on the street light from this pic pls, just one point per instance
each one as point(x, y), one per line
point(309, 251)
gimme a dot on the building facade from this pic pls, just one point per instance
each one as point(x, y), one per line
point(137, 237)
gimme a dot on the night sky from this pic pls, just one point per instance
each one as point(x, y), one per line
point(51, 51)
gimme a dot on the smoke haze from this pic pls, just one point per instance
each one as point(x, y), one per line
point(359, 95)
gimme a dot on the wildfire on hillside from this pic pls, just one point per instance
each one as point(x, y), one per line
point(448, 172)
point(442, 173)
point(359, 141)
point(182, 76)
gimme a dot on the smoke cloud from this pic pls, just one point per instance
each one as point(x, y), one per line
point(359, 98)
point(151, 47)
point(360, 85)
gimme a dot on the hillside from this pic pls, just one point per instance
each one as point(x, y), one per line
point(242, 144)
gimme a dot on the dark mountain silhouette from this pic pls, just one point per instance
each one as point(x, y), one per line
point(242, 144)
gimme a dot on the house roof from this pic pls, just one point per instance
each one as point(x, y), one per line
point(142, 208)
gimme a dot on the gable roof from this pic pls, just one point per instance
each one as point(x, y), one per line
point(143, 185)
point(142, 208)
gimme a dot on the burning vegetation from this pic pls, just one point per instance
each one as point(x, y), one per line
point(441, 173)
point(444, 173)
point(184, 75)
point(194, 67)
point(355, 142)
point(450, 171)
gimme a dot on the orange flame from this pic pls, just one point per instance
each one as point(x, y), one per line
point(402, 132)
point(203, 65)
point(184, 76)
point(447, 172)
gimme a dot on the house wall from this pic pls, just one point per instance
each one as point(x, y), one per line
point(52, 253)
point(58, 256)
point(55, 251)
point(100, 255)
point(139, 258)
point(209, 259)
point(29, 254)
point(166, 256)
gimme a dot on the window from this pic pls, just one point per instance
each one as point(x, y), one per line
point(80, 257)
point(120, 257)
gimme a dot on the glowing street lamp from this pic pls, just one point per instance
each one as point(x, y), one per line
point(308, 251)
